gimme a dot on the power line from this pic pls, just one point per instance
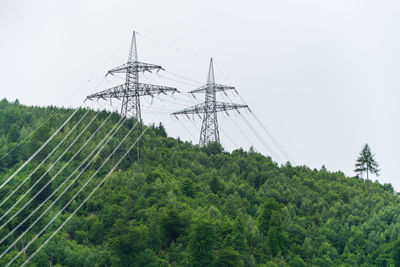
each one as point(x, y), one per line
point(241, 131)
point(112, 131)
point(229, 138)
point(56, 175)
point(44, 160)
point(51, 115)
point(190, 133)
point(174, 80)
point(279, 147)
point(81, 205)
point(284, 153)
point(183, 77)
point(40, 149)
point(262, 141)
point(65, 190)
point(80, 190)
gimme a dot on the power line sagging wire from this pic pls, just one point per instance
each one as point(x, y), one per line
point(38, 150)
point(176, 81)
point(187, 130)
point(58, 172)
point(83, 202)
point(262, 141)
point(274, 141)
point(102, 144)
point(229, 138)
point(83, 187)
point(280, 148)
point(51, 115)
point(241, 131)
point(44, 160)
point(198, 83)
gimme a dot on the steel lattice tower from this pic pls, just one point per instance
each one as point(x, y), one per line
point(131, 91)
point(210, 107)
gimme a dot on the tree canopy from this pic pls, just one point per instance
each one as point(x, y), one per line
point(190, 206)
point(366, 163)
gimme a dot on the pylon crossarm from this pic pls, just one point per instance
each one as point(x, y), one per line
point(196, 109)
point(150, 89)
point(202, 108)
point(217, 88)
point(223, 106)
point(134, 67)
point(115, 92)
point(141, 89)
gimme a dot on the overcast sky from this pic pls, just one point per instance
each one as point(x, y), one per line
point(323, 76)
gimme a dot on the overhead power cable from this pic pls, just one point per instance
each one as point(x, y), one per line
point(262, 141)
point(176, 81)
point(282, 151)
point(82, 188)
point(229, 138)
point(112, 131)
point(190, 133)
point(108, 137)
point(83, 202)
point(51, 115)
point(40, 149)
point(183, 77)
point(44, 160)
point(56, 175)
point(241, 131)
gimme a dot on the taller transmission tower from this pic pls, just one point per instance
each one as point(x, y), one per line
point(210, 107)
point(131, 91)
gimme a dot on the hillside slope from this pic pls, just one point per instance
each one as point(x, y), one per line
point(185, 205)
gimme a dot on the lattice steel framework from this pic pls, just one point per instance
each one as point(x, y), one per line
point(131, 91)
point(209, 108)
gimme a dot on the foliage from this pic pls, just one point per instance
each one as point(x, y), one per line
point(189, 206)
point(366, 163)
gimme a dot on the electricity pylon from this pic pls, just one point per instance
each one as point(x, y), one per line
point(131, 91)
point(209, 108)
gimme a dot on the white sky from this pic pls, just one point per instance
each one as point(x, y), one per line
point(321, 75)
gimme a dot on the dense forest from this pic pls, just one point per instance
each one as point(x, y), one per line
point(183, 205)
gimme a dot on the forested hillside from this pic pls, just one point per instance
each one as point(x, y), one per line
point(183, 205)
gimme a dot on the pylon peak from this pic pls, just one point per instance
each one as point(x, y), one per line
point(211, 77)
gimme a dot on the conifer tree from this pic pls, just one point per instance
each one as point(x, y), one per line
point(366, 163)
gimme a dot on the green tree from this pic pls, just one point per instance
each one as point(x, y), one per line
point(187, 187)
point(201, 243)
point(213, 148)
point(13, 133)
point(228, 257)
point(172, 225)
point(277, 239)
point(268, 208)
point(297, 261)
point(41, 178)
point(215, 185)
point(36, 141)
point(366, 163)
point(160, 130)
point(127, 241)
point(396, 253)
point(239, 242)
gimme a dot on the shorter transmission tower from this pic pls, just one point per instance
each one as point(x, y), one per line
point(131, 91)
point(209, 108)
